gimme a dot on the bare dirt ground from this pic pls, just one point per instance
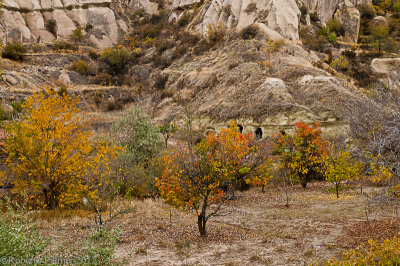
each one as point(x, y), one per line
point(257, 229)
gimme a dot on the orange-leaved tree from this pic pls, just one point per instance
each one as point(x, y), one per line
point(51, 152)
point(203, 179)
point(304, 152)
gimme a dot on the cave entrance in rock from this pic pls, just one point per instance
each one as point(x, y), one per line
point(240, 128)
point(259, 133)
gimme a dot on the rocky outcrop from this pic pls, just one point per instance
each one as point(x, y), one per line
point(258, 87)
point(348, 15)
point(275, 16)
point(389, 70)
point(47, 20)
point(326, 8)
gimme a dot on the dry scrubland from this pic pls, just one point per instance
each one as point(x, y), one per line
point(256, 229)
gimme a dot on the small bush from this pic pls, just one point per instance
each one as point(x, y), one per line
point(366, 11)
point(189, 38)
point(93, 54)
point(332, 37)
point(314, 16)
point(62, 91)
point(84, 68)
point(19, 236)
point(77, 34)
point(303, 10)
point(334, 25)
point(102, 79)
point(390, 45)
point(215, 33)
point(185, 19)
point(324, 31)
point(116, 58)
point(340, 64)
point(14, 51)
point(249, 32)
point(160, 81)
point(62, 45)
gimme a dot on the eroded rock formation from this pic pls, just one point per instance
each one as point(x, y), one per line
point(47, 20)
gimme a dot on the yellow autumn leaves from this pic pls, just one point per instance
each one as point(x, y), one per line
point(52, 157)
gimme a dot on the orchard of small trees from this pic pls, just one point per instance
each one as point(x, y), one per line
point(55, 161)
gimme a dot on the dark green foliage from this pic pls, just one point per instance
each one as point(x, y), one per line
point(304, 10)
point(116, 58)
point(14, 51)
point(314, 16)
point(334, 25)
point(249, 32)
point(366, 11)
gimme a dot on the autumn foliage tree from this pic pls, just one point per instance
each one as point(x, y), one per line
point(304, 152)
point(51, 156)
point(202, 179)
point(342, 167)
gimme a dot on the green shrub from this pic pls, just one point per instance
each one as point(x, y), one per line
point(141, 137)
point(332, 37)
point(340, 64)
point(249, 32)
point(17, 106)
point(19, 237)
point(77, 34)
point(314, 16)
point(390, 45)
point(366, 11)
point(116, 58)
point(84, 68)
point(324, 31)
point(334, 25)
point(14, 51)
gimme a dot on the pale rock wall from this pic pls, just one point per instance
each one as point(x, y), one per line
point(277, 16)
point(47, 20)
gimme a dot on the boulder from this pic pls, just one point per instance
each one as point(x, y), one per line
point(284, 17)
point(385, 65)
point(103, 19)
point(379, 20)
point(64, 24)
point(349, 16)
point(182, 4)
point(148, 6)
point(64, 79)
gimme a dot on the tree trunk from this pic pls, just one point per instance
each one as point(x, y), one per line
point(337, 190)
point(201, 222)
point(303, 181)
point(50, 199)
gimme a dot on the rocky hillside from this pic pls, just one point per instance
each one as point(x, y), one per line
point(265, 64)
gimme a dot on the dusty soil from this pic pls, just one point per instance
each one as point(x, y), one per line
point(257, 229)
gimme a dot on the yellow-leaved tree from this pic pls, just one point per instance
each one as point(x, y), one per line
point(342, 168)
point(52, 157)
